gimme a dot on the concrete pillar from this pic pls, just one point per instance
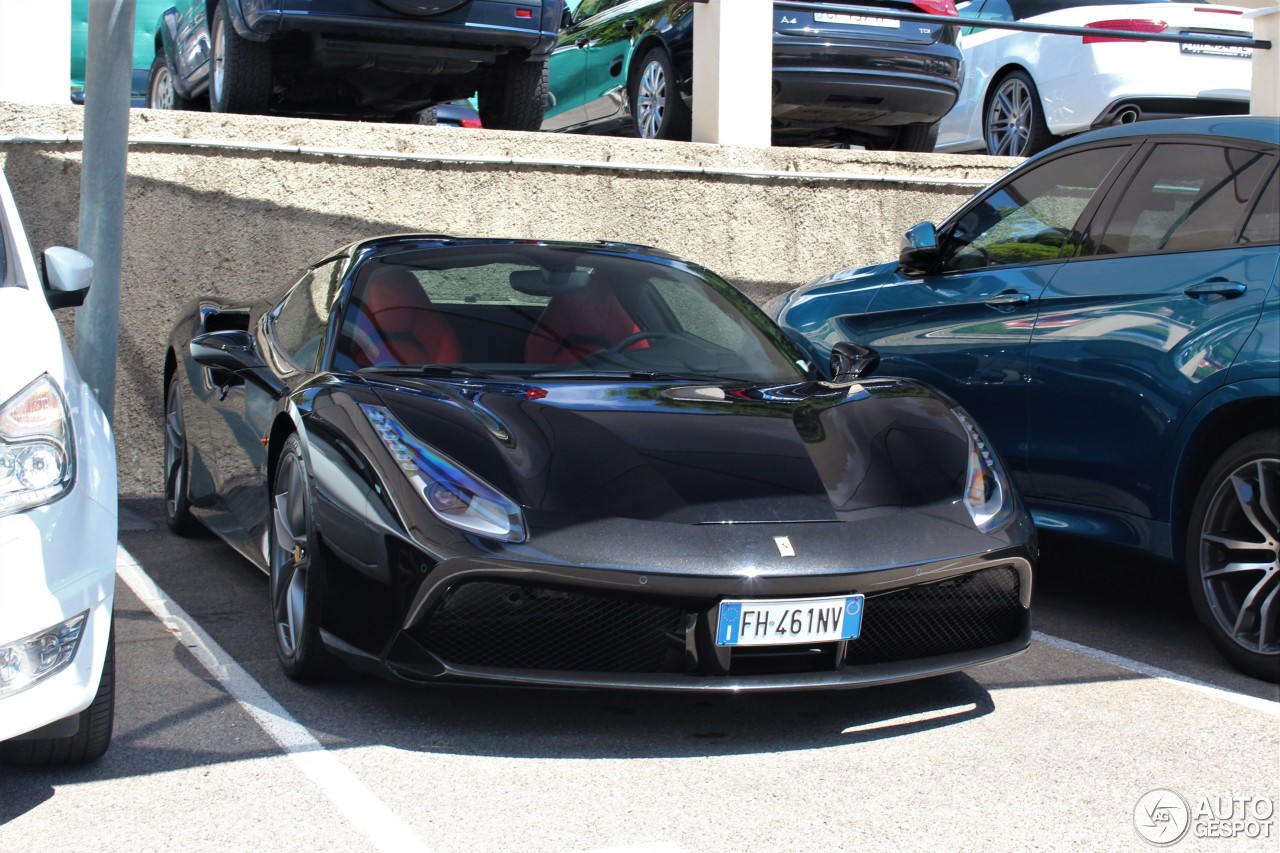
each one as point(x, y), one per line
point(35, 51)
point(1264, 95)
point(732, 71)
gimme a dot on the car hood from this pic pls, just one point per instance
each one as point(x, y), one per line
point(815, 310)
point(690, 453)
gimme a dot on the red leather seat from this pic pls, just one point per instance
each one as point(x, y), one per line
point(576, 324)
point(397, 324)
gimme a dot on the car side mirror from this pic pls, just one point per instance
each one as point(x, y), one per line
point(66, 276)
point(920, 250)
point(233, 350)
point(566, 18)
point(850, 362)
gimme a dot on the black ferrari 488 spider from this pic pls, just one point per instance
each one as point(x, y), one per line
point(584, 464)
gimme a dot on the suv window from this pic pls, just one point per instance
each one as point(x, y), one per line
point(1029, 218)
point(593, 7)
point(1183, 198)
point(300, 321)
point(1264, 223)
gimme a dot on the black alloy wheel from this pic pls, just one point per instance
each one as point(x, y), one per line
point(657, 109)
point(1233, 554)
point(1014, 124)
point(240, 73)
point(177, 504)
point(297, 573)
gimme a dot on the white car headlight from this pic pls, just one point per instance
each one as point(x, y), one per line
point(37, 454)
point(987, 495)
point(452, 493)
point(26, 661)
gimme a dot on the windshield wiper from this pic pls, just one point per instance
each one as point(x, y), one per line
point(643, 376)
point(426, 370)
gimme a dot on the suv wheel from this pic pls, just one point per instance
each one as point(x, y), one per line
point(1233, 554)
point(240, 76)
point(514, 96)
point(161, 94)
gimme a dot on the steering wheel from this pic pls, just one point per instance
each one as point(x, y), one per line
point(632, 340)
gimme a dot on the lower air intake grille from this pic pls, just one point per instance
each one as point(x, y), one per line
point(963, 614)
point(505, 625)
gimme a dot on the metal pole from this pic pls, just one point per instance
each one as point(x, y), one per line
point(102, 185)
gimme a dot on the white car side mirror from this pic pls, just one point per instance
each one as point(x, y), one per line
point(67, 276)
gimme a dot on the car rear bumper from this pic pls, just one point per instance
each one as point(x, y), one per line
point(841, 97)
point(490, 24)
point(482, 621)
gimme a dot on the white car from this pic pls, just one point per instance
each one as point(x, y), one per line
point(1023, 90)
point(58, 518)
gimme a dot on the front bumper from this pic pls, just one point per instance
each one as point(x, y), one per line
point(487, 621)
point(59, 560)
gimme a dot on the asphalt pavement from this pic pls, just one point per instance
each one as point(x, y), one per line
point(1120, 706)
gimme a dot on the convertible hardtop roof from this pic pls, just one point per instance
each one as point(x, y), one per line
point(428, 241)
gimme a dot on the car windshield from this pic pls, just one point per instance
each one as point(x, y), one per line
point(533, 310)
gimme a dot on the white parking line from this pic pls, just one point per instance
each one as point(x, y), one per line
point(369, 815)
point(1266, 706)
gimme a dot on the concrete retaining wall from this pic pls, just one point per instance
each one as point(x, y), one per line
point(207, 213)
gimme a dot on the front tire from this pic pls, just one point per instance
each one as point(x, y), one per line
point(1233, 554)
point(514, 96)
point(1013, 124)
point(657, 109)
point(91, 739)
point(240, 73)
point(297, 573)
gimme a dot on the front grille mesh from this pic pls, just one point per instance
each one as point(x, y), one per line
point(510, 626)
point(503, 625)
point(969, 612)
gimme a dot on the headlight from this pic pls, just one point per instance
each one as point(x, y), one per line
point(986, 490)
point(26, 661)
point(37, 455)
point(455, 495)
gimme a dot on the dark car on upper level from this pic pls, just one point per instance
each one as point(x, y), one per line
point(1110, 312)
point(626, 66)
point(356, 58)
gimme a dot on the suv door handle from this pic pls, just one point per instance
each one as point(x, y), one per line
point(1216, 287)
point(1009, 299)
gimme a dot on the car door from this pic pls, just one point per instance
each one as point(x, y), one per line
point(565, 72)
point(191, 50)
point(1146, 323)
point(965, 327)
point(291, 338)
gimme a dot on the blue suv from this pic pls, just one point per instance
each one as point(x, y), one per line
point(1110, 312)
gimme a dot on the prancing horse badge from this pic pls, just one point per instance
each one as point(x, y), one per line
point(784, 546)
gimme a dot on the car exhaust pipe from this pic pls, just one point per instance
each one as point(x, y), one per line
point(1128, 115)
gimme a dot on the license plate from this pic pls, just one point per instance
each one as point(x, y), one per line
point(1217, 49)
point(789, 621)
point(858, 20)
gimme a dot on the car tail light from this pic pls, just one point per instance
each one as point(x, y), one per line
point(938, 7)
point(1135, 25)
point(471, 122)
point(524, 14)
